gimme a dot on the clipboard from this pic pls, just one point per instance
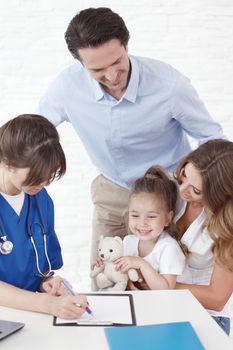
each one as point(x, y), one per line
point(109, 309)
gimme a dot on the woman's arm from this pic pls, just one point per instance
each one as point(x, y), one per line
point(153, 279)
point(215, 295)
point(64, 306)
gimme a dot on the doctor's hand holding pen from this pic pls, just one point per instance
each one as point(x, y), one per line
point(53, 286)
point(66, 305)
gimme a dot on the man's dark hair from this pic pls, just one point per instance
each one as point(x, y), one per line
point(93, 27)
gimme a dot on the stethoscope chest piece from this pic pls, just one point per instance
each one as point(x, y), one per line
point(5, 246)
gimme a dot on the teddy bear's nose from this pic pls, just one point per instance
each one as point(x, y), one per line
point(102, 255)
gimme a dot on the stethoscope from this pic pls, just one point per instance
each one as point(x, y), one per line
point(6, 246)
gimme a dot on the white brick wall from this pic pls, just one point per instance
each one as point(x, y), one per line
point(194, 36)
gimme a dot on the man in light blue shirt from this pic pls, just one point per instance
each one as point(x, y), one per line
point(130, 112)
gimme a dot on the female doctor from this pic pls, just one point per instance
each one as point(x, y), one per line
point(31, 157)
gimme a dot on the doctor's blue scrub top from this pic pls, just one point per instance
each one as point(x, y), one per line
point(19, 267)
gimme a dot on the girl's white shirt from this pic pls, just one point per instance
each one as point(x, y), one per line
point(16, 202)
point(201, 259)
point(166, 257)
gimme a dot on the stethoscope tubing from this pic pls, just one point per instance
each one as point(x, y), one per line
point(30, 233)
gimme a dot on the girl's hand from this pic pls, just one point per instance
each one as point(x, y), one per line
point(97, 263)
point(128, 262)
point(67, 306)
point(53, 286)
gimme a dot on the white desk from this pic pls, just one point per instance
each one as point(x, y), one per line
point(150, 307)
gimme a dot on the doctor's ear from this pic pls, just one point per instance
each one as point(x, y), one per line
point(5, 164)
point(8, 166)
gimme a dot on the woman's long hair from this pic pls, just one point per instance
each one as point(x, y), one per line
point(214, 161)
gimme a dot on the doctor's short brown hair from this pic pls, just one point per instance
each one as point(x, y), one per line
point(32, 141)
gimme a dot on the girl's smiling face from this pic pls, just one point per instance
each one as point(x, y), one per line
point(148, 216)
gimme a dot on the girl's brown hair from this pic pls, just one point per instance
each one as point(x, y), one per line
point(31, 141)
point(214, 161)
point(158, 183)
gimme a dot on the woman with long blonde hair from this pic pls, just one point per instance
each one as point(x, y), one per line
point(205, 225)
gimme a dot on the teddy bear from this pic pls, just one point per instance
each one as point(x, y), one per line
point(107, 278)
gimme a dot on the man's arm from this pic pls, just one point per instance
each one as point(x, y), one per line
point(191, 113)
point(51, 104)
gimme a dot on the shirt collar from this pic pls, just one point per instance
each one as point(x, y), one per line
point(98, 91)
point(132, 88)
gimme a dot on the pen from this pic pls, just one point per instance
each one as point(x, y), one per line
point(70, 290)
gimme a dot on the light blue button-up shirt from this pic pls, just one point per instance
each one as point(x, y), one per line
point(147, 126)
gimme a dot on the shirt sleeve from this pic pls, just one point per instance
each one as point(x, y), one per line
point(51, 105)
point(188, 109)
point(172, 260)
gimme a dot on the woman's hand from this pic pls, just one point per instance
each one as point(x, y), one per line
point(97, 263)
point(63, 306)
point(67, 306)
point(53, 286)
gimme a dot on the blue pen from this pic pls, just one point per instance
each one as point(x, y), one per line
point(70, 290)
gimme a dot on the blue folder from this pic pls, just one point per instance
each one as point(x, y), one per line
point(166, 336)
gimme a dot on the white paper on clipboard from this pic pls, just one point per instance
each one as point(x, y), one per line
point(107, 309)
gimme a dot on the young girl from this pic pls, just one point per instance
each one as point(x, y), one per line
point(151, 249)
point(31, 157)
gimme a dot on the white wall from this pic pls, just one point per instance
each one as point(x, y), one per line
point(194, 36)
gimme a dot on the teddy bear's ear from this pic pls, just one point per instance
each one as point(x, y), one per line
point(118, 239)
point(101, 238)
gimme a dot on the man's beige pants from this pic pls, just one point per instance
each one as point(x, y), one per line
point(110, 216)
